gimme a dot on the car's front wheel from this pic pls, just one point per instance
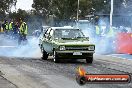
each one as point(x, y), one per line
point(56, 59)
point(44, 54)
point(89, 60)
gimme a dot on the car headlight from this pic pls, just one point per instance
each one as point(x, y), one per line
point(62, 47)
point(91, 47)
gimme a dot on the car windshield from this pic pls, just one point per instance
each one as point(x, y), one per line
point(68, 33)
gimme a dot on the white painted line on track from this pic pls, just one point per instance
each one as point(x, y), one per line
point(116, 56)
point(120, 57)
point(8, 46)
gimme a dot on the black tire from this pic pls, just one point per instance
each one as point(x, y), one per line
point(89, 60)
point(56, 59)
point(44, 55)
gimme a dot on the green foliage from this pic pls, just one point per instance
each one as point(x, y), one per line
point(19, 14)
point(5, 7)
point(101, 6)
point(67, 9)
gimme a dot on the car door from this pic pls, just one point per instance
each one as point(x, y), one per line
point(42, 37)
point(48, 46)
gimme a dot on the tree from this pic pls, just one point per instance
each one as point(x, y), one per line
point(5, 6)
point(19, 14)
point(62, 9)
point(67, 9)
point(118, 6)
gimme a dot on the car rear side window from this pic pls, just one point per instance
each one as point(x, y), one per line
point(47, 32)
point(51, 32)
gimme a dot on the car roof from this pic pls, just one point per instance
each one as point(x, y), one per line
point(45, 27)
point(65, 27)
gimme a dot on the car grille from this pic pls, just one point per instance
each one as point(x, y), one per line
point(76, 48)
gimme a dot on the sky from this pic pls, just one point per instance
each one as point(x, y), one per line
point(24, 4)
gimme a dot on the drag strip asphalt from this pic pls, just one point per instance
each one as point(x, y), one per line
point(37, 73)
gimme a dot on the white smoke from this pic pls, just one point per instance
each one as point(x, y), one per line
point(103, 44)
point(10, 48)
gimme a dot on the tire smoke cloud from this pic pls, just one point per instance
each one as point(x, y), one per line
point(10, 48)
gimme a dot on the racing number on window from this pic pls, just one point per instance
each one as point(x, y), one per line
point(50, 34)
point(47, 33)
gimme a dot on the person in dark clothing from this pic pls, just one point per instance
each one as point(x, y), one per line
point(3, 25)
point(15, 30)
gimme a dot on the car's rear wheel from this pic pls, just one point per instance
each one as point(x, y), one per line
point(44, 54)
point(56, 58)
point(89, 60)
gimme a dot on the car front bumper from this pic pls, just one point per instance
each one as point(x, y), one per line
point(70, 54)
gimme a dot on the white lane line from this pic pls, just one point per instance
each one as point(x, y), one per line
point(116, 56)
point(7, 46)
point(119, 57)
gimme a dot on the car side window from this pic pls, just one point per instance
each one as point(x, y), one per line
point(47, 33)
point(44, 34)
point(48, 30)
point(50, 34)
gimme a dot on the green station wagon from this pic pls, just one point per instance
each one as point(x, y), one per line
point(66, 43)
